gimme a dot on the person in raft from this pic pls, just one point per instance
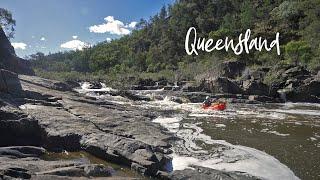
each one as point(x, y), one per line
point(209, 101)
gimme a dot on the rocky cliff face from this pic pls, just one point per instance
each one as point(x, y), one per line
point(9, 60)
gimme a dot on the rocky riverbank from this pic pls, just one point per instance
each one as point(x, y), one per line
point(149, 131)
point(234, 80)
point(38, 114)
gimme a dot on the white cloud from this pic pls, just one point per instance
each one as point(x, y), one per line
point(132, 24)
point(42, 39)
point(109, 39)
point(113, 26)
point(19, 45)
point(75, 45)
point(74, 37)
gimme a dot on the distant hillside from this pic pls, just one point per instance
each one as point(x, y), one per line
point(157, 45)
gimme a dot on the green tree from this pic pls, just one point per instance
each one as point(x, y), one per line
point(7, 22)
point(247, 15)
point(298, 51)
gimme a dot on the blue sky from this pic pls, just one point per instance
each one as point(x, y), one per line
point(44, 25)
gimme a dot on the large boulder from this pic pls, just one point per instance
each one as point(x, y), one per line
point(190, 87)
point(232, 69)
point(72, 84)
point(295, 83)
point(254, 87)
point(8, 58)
point(132, 96)
point(311, 86)
point(294, 95)
point(256, 74)
point(92, 85)
point(302, 91)
point(9, 82)
point(146, 82)
point(297, 72)
point(195, 97)
point(221, 85)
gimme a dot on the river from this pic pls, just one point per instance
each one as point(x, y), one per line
point(270, 141)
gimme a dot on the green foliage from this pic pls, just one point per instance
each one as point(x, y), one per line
point(7, 22)
point(247, 15)
point(286, 10)
point(156, 48)
point(298, 52)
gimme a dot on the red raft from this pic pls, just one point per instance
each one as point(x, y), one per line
point(216, 106)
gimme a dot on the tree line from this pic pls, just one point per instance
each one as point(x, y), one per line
point(157, 44)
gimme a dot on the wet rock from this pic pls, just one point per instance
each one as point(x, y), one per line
point(146, 82)
point(134, 97)
point(98, 171)
point(255, 87)
point(139, 87)
point(80, 170)
point(124, 151)
point(24, 162)
point(221, 85)
point(22, 151)
point(179, 100)
point(293, 96)
point(200, 173)
point(199, 97)
point(190, 87)
point(36, 168)
point(262, 98)
point(61, 86)
point(162, 82)
point(181, 83)
point(298, 72)
point(196, 97)
point(171, 88)
point(72, 84)
point(95, 85)
point(149, 84)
